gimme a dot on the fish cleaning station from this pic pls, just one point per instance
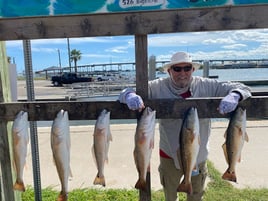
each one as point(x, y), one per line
point(138, 23)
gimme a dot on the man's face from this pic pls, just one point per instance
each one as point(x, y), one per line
point(181, 74)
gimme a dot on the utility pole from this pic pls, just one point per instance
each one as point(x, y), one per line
point(69, 54)
point(59, 59)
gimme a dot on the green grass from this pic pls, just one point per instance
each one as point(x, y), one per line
point(217, 190)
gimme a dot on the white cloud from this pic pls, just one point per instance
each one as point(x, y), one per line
point(234, 46)
point(121, 49)
point(221, 40)
point(43, 49)
point(98, 56)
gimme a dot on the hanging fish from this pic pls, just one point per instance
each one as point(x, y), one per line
point(20, 137)
point(144, 144)
point(60, 145)
point(102, 137)
point(235, 136)
point(189, 148)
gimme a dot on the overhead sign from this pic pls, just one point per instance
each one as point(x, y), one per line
point(24, 8)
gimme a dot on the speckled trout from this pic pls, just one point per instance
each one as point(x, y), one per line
point(144, 143)
point(235, 136)
point(189, 148)
point(102, 137)
point(60, 145)
point(20, 137)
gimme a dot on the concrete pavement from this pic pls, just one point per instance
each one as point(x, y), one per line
point(120, 172)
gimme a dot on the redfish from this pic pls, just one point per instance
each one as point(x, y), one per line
point(144, 144)
point(20, 137)
point(102, 137)
point(235, 136)
point(60, 145)
point(189, 148)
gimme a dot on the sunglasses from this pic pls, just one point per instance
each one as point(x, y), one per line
point(180, 68)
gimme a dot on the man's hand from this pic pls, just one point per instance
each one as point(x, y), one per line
point(134, 101)
point(229, 103)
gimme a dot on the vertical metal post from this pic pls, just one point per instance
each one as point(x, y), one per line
point(69, 54)
point(59, 59)
point(206, 69)
point(33, 126)
point(152, 67)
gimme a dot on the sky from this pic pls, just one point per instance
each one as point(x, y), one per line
point(240, 44)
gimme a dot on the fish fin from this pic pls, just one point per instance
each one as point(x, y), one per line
point(62, 197)
point(230, 176)
point(240, 131)
point(192, 137)
point(99, 181)
point(239, 159)
point(53, 160)
point(107, 160)
point(246, 137)
point(70, 172)
point(225, 134)
point(19, 186)
point(93, 154)
point(185, 187)
point(110, 134)
point(110, 137)
point(26, 166)
point(225, 152)
point(141, 184)
point(149, 167)
point(151, 144)
point(179, 157)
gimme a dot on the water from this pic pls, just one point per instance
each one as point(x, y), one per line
point(234, 74)
point(249, 74)
point(238, 74)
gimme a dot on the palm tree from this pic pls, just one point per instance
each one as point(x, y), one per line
point(75, 56)
point(8, 59)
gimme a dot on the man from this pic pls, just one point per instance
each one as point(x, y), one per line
point(180, 85)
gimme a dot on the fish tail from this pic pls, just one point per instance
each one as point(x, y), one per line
point(230, 176)
point(186, 188)
point(99, 181)
point(19, 186)
point(141, 184)
point(62, 197)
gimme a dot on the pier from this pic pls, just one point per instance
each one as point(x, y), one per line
point(93, 70)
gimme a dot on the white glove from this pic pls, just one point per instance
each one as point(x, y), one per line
point(133, 101)
point(229, 103)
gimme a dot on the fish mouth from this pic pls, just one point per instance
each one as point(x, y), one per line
point(62, 113)
point(106, 111)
